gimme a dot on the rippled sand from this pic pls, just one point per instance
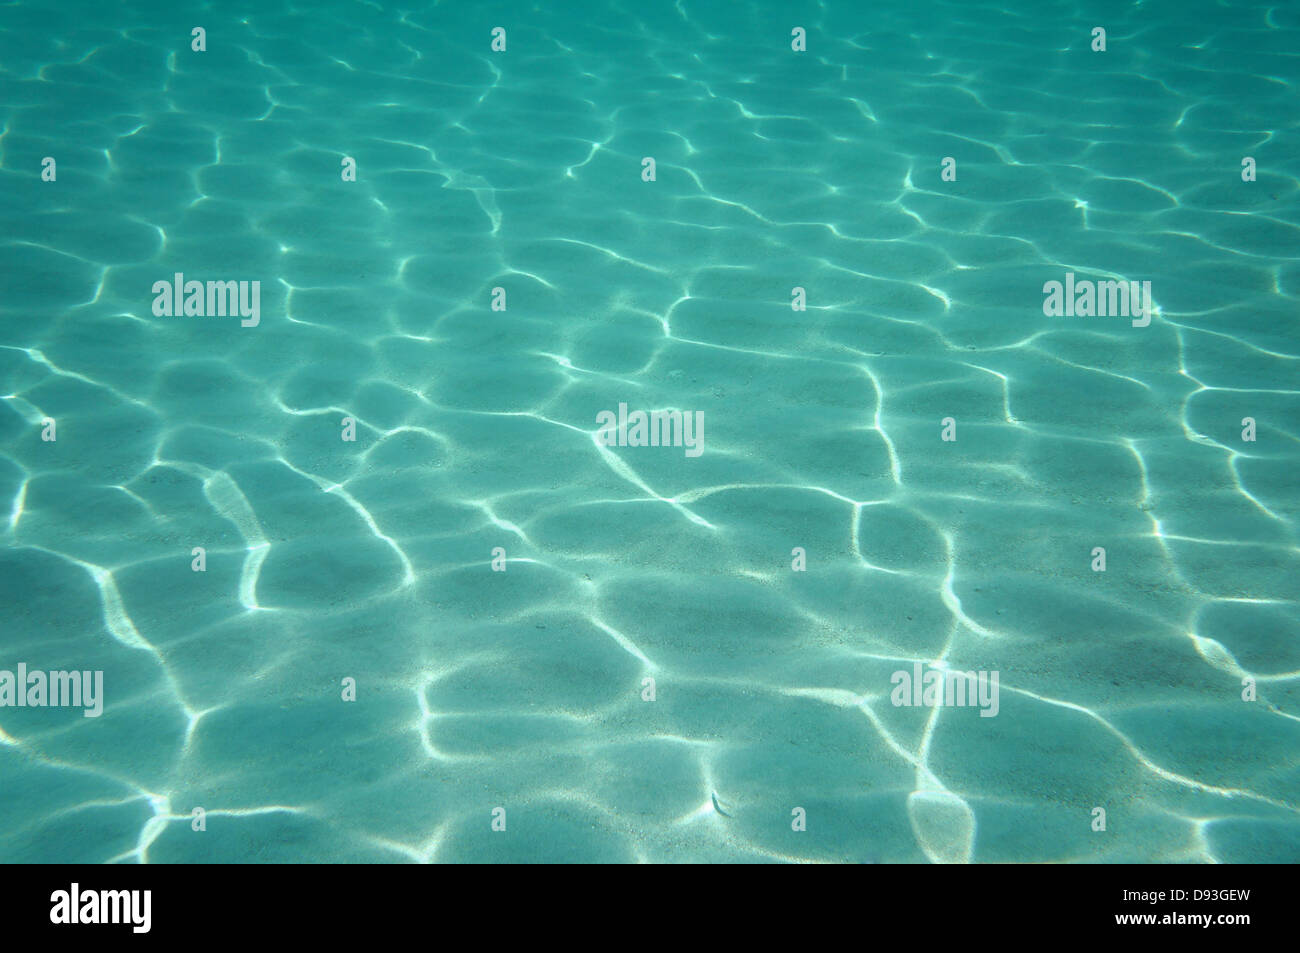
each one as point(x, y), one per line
point(371, 560)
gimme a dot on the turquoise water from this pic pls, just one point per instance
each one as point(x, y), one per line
point(372, 559)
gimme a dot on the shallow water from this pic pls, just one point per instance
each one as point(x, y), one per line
point(372, 559)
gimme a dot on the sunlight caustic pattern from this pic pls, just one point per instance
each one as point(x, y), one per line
point(475, 430)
